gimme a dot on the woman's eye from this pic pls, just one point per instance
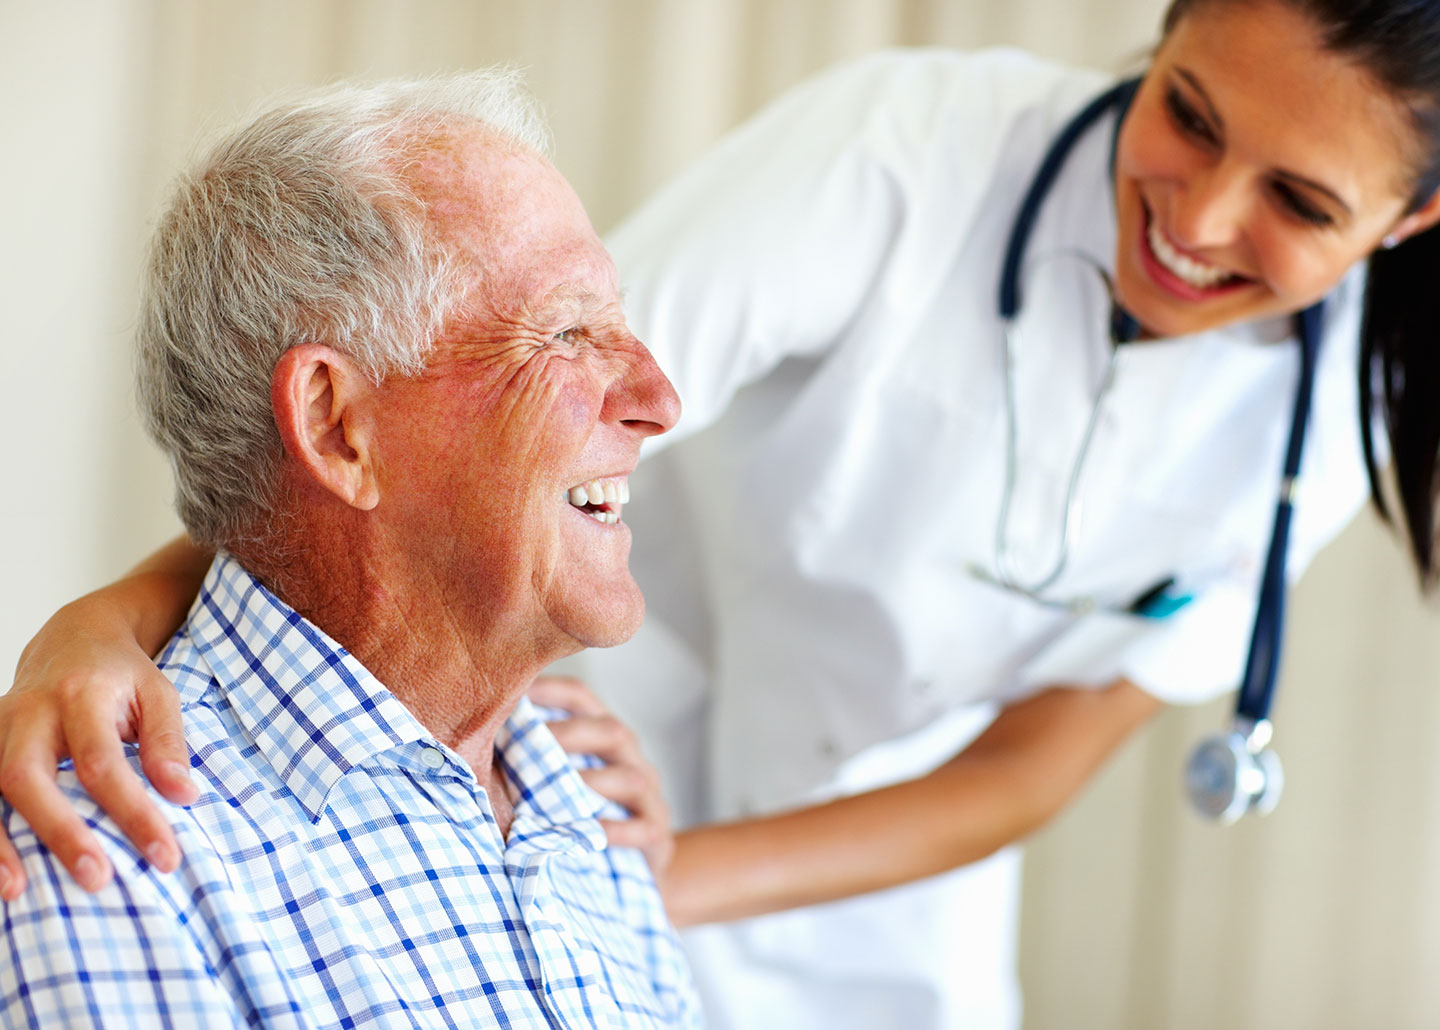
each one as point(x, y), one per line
point(1186, 118)
point(1301, 208)
point(569, 336)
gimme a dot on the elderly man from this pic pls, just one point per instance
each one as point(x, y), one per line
point(384, 350)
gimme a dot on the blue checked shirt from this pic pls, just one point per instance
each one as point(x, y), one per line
point(341, 868)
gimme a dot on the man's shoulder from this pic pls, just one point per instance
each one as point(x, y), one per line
point(196, 829)
point(140, 912)
point(237, 787)
point(148, 948)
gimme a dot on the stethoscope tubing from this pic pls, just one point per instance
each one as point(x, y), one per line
point(1117, 96)
point(1072, 508)
point(1262, 663)
point(1258, 683)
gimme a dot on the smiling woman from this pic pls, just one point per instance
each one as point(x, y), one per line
point(1267, 160)
point(1250, 177)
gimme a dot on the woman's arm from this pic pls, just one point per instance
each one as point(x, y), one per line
point(84, 684)
point(1023, 769)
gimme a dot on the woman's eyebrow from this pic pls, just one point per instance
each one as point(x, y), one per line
point(1194, 84)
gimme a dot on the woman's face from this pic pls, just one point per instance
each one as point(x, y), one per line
point(1253, 170)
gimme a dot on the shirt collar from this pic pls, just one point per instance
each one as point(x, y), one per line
point(315, 712)
point(311, 708)
point(553, 796)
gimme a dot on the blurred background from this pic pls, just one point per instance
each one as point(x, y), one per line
point(1136, 914)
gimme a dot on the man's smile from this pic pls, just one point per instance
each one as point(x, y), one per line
point(601, 499)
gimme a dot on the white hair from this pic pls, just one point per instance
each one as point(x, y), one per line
point(297, 227)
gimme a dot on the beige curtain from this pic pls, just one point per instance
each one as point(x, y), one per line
point(1136, 915)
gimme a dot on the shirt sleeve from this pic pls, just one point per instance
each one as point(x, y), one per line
point(122, 957)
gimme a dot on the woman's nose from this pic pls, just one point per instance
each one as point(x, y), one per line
point(1210, 209)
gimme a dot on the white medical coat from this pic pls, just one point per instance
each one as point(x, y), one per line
point(822, 291)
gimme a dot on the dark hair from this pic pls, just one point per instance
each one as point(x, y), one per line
point(1398, 43)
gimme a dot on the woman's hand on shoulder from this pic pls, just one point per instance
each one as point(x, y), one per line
point(83, 686)
point(626, 777)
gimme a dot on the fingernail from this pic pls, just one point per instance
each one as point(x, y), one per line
point(88, 874)
point(180, 774)
point(158, 855)
point(177, 771)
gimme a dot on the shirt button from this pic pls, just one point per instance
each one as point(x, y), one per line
point(432, 758)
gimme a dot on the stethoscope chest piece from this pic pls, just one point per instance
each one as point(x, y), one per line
point(1232, 774)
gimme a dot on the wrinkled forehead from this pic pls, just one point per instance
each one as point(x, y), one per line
point(508, 216)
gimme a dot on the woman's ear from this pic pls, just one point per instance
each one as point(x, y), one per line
point(320, 400)
point(1417, 221)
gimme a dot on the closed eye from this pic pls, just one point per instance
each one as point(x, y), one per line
point(1187, 119)
point(1297, 205)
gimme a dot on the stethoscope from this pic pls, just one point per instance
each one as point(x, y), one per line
point(1229, 774)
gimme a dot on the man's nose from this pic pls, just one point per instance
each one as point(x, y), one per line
point(1211, 209)
point(641, 396)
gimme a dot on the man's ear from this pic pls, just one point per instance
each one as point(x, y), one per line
point(1417, 221)
point(321, 405)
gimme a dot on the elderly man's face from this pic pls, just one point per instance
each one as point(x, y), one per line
point(535, 400)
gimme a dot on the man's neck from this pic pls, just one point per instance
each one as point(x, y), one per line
point(458, 674)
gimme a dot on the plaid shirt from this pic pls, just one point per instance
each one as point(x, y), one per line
point(341, 868)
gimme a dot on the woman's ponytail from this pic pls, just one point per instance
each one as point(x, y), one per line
point(1400, 375)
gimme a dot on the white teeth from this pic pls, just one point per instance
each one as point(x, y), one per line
point(607, 496)
point(1191, 271)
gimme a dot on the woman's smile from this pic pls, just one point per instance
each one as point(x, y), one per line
point(1187, 276)
point(1254, 168)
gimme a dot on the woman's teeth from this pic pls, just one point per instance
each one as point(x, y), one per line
point(1191, 271)
point(600, 498)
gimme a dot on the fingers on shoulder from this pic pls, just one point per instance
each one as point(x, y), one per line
point(567, 692)
point(636, 787)
point(604, 736)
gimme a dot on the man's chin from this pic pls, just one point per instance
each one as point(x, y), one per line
point(606, 625)
point(613, 635)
